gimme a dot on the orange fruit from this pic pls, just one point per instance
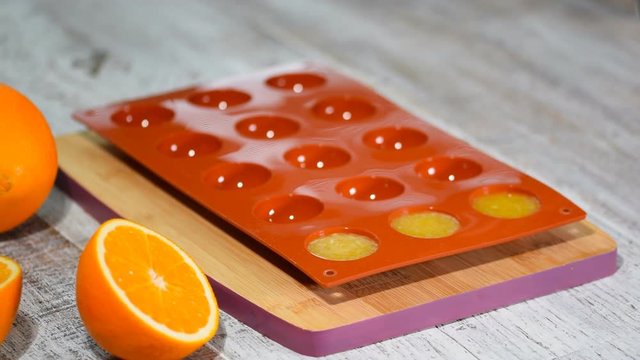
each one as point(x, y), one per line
point(10, 289)
point(141, 297)
point(28, 161)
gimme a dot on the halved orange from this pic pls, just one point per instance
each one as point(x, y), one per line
point(141, 297)
point(10, 289)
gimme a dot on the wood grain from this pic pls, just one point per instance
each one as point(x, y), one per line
point(549, 87)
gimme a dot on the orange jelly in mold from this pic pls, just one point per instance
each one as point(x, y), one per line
point(342, 246)
point(506, 205)
point(426, 225)
point(327, 173)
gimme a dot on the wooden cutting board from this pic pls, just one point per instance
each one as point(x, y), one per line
point(256, 286)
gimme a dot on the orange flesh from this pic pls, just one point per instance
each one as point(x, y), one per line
point(156, 279)
point(4, 273)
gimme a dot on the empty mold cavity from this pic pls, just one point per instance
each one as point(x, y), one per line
point(369, 188)
point(342, 244)
point(219, 99)
point(343, 108)
point(189, 144)
point(267, 127)
point(236, 176)
point(289, 208)
point(394, 138)
point(142, 116)
point(296, 82)
point(504, 202)
point(316, 156)
point(447, 168)
point(424, 223)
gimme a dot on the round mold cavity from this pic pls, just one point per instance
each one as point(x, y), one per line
point(369, 188)
point(267, 127)
point(296, 82)
point(317, 156)
point(143, 116)
point(394, 138)
point(343, 108)
point(341, 244)
point(504, 202)
point(447, 168)
point(221, 99)
point(424, 223)
point(189, 144)
point(285, 209)
point(236, 176)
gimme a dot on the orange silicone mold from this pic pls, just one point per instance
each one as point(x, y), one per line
point(291, 154)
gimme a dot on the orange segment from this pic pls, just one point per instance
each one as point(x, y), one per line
point(141, 296)
point(10, 289)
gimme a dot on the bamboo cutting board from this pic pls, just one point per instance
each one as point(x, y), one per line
point(256, 286)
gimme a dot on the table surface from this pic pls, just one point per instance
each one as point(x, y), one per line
point(550, 87)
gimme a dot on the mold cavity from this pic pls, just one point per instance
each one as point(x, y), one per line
point(448, 168)
point(342, 244)
point(424, 223)
point(369, 188)
point(267, 127)
point(290, 208)
point(394, 138)
point(143, 116)
point(343, 108)
point(504, 202)
point(296, 82)
point(317, 157)
point(236, 176)
point(219, 99)
point(189, 145)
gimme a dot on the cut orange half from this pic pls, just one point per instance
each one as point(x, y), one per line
point(10, 289)
point(141, 297)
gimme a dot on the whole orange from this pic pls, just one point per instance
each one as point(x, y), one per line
point(28, 161)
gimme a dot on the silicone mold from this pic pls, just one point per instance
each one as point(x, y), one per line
point(289, 154)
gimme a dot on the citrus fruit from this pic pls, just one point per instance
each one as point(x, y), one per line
point(141, 297)
point(28, 161)
point(10, 289)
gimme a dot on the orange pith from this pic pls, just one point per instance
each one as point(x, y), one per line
point(140, 296)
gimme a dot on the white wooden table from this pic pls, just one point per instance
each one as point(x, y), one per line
point(550, 87)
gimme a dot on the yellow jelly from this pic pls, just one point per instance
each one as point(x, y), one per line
point(342, 246)
point(426, 225)
point(506, 205)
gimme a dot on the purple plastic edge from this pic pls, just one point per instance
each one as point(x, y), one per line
point(330, 341)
